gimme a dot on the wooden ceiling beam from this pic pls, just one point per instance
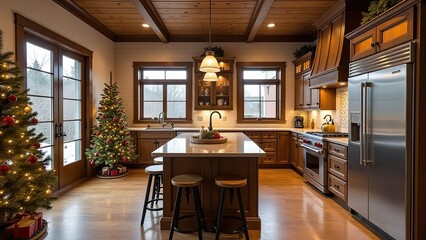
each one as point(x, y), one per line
point(150, 14)
point(259, 14)
point(80, 13)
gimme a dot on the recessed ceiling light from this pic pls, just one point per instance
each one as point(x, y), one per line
point(271, 25)
point(342, 84)
point(145, 25)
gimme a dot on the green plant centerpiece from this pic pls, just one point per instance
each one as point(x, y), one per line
point(303, 50)
point(376, 8)
point(218, 51)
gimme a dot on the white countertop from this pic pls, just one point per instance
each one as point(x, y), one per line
point(238, 145)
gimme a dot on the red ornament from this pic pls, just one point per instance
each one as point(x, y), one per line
point(34, 121)
point(36, 145)
point(115, 119)
point(103, 116)
point(32, 159)
point(98, 133)
point(8, 121)
point(126, 142)
point(92, 163)
point(4, 169)
point(12, 98)
point(96, 154)
point(108, 140)
point(124, 159)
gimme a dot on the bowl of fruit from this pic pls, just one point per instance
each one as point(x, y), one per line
point(208, 137)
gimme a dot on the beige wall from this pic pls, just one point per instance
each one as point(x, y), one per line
point(55, 18)
point(127, 53)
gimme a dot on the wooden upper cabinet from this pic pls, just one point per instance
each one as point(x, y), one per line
point(214, 95)
point(387, 34)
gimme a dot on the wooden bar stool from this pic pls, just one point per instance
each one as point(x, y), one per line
point(231, 183)
point(156, 172)
point(188, 182)
point(158, 160)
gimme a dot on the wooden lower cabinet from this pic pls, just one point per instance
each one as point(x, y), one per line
point(148, 141)
point(283, 149)
point(338, 170)
point(296, 153)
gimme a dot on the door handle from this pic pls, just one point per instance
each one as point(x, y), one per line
point(57, 130)
point(61, 128)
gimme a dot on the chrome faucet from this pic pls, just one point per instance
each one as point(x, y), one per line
point(161, 117)
point(211, 114)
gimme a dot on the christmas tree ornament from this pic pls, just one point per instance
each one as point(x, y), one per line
point(49, 191)
point(126, 142)
point(27, 109)
point(4, 169)
point(36, 145)
point(8, 121)
point(12, 98)
point(34, 121)
point(124, 159)
point(32, 159)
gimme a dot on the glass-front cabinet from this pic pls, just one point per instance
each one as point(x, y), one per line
point(214, 95)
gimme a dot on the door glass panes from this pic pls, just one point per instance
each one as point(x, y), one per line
point(48, 151)
point(72, 129)
point(152, 100)
point(71, 68)
point(39, 83)
point(176, 74)
point(46, 129)
point(72, 88)
point(72, 109)
point(39, 58)
point(43, 106)
point(72, 152)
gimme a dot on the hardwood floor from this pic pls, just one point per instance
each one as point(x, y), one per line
point(111, 209)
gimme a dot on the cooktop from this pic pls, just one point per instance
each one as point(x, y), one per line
point(328, 134)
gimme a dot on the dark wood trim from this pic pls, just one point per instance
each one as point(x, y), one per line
point(281, 92)
point(137, 109)
point(80, 13)
point(151, 16)
point(257, 18)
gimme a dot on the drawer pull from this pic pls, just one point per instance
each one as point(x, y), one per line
point(337, 150)
point(336, 167)
point(336, 186)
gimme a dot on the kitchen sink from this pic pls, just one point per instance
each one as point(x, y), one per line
point(159, 127)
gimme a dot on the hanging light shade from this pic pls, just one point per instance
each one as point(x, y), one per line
point(209, 63)
point(210, 77)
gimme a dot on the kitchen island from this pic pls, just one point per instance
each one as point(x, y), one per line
point(238, 156)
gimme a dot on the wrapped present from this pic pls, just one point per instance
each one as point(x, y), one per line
point(25, 228)
point(120, 170)
point(105, 171)
point(123, 169)
point(114, 172)
point(38, 216)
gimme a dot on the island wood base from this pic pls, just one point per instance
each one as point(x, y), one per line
point(209, 168)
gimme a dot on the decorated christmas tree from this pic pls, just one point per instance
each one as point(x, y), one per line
point(111, 144)
point(25, 184)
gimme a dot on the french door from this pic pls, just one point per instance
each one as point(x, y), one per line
point(55, 79)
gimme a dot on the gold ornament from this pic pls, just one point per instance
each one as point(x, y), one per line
point(27, 109)
point(48, 191)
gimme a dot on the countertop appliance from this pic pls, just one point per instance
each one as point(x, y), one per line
point(315, 158)
point(380, 137)
point(298, 122)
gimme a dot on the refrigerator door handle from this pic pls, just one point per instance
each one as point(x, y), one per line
point(362, 123)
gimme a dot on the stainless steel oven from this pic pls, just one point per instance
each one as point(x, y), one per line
point(315, 158)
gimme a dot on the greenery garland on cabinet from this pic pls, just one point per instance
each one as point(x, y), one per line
point(376, 8)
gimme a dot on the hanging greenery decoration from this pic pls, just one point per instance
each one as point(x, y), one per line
point(376, 8)
point(303, 50)
point(218, 51)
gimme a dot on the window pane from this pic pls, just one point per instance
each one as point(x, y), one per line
point(153, 74)
point(176, 74)
point(259, 74)
point(72, 88)
point(268, 92)
point(176, 110)
point(152, 109)
point(48, 151)
point(43, 107)
point(269, 110)
point(72, 109)
point(251, 92)
point(176, 92)
point(72, 152)
point(39, 58)
point(71, 68)
point(152, 93)
point(251, 110)
point(46, 129)
point(72, 129)
point(39, 83)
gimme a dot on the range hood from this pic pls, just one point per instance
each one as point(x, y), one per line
point(330, 68)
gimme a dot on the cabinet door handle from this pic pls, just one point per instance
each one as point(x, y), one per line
point(373, 44)
point(336, 186)
point(336, 167)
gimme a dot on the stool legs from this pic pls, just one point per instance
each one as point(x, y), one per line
point(220, 212)
point(175, 213)
point(243, 215)
point(148, 190)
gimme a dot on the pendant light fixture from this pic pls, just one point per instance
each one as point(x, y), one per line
point(209, 63)
point(210, 77)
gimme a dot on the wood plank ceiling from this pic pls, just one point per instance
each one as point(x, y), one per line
point(188, 20)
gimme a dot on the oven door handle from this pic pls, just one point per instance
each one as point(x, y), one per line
point(311, 148)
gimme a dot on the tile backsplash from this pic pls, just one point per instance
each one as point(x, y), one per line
point(340, 115)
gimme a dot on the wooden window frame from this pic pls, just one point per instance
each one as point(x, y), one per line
point(138, 94)
point(280, 90)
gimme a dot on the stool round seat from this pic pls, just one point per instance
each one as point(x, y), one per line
point(230, 181)
point(158, 160)
point(187, 180)
point(154, 169)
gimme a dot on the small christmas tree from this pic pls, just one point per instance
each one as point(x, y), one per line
point(25, 184)
point(111, 144)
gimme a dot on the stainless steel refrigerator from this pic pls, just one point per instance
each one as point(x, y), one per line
point(380, 140)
